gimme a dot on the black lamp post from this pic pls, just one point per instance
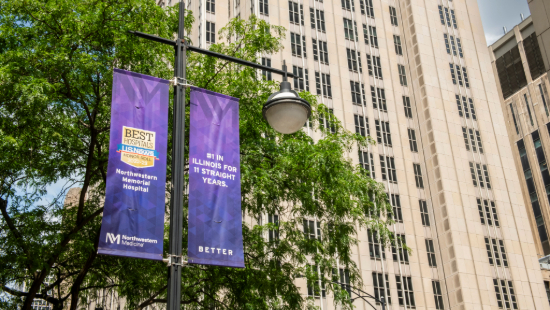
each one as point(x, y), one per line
point(285, 111)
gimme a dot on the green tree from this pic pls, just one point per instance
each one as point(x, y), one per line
point(56, 67)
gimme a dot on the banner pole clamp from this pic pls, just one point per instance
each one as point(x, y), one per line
point(180, 81)
point(176, 260)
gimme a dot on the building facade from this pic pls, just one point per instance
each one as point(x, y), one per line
point(540, 12)
point(416, 76)
point(518, 62)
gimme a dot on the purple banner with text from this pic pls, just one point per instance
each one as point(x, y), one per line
point(133, 217)
point(215, 222)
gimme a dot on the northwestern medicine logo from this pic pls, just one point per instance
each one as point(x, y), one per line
point(138, 147)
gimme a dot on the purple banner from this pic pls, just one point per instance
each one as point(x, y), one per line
point(133, 217)
point(215, 222)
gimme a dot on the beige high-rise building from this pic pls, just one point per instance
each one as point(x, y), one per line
point(416, 75)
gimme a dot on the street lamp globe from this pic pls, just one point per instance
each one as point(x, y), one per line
point(285, 111)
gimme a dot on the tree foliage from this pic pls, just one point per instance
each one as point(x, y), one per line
point(56, 65)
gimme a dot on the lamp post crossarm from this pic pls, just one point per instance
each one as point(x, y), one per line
point(211, 53)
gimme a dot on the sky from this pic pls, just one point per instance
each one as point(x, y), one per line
point(496, 14)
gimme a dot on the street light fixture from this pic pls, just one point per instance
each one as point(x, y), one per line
point(284, 110)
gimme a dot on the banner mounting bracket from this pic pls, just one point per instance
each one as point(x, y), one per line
point(177, 81)
point(174, 260)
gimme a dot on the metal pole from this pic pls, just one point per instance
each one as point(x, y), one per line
point(383, 302)
point(178, 163)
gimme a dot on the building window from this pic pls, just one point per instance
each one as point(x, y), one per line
point(387, 165)
point(374, 66)
point(322, 85)
point(349, 29)
point(487, 212)
point(266, 74)
point(447, 43)
point(381, 289)
point(437, 295)
point(348, 5)
point(360, 127)
point(273, 219)
point(453, 76)
point(506, 297)
point(383, 134)
point(431, 252)
point(454, 18)
point(375, 247)
point(424, 212)
point(364, 162)
point(309, 230)
point(441, 16)
point(447, 17)
point(543, 96)
point(407, 107)
point(357, 95)
point(317, 19)
point(486, 175)
point(320, 51)
point(328, 122)
point(405, 292)
point(514, 118)
point(511, 74)
point(418, 176)
point(528, 109)
point(478, 138)
point(466, 80)
point(295, 16)
point(373, 37)
point(211, 6)
point(365, 34)
point(210, 32)
point(459, 75)
point(397, 44)
point(344, 279)
point(547, 287)
point(354, 60)
point(541, 157)
point(301, 81)
point(496, 252)
point(396, 204)
point(393, 16)
point(379, 99)
point(367, 8)
point(465, 107)
point(412, 140)
point(533, 55)
point(313, 282)
point(465, 135)
point(402, 75)
point(264, 7)
point(459, 44)
point(298, 46)
point(399, 249)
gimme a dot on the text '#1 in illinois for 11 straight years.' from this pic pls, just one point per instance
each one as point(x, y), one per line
point(213, 169)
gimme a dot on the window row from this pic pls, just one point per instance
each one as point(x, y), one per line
point(480, 175)
point(465, 107)
point(313, 280)
point(454, 46)
point(405, 293)
point(506, 297)
point(447, 16)
point(472, 139)
point(459, 75)
point(487, 212)
point(496, 252)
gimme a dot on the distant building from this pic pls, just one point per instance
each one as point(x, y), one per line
point(540, 12)
point(522, 80)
